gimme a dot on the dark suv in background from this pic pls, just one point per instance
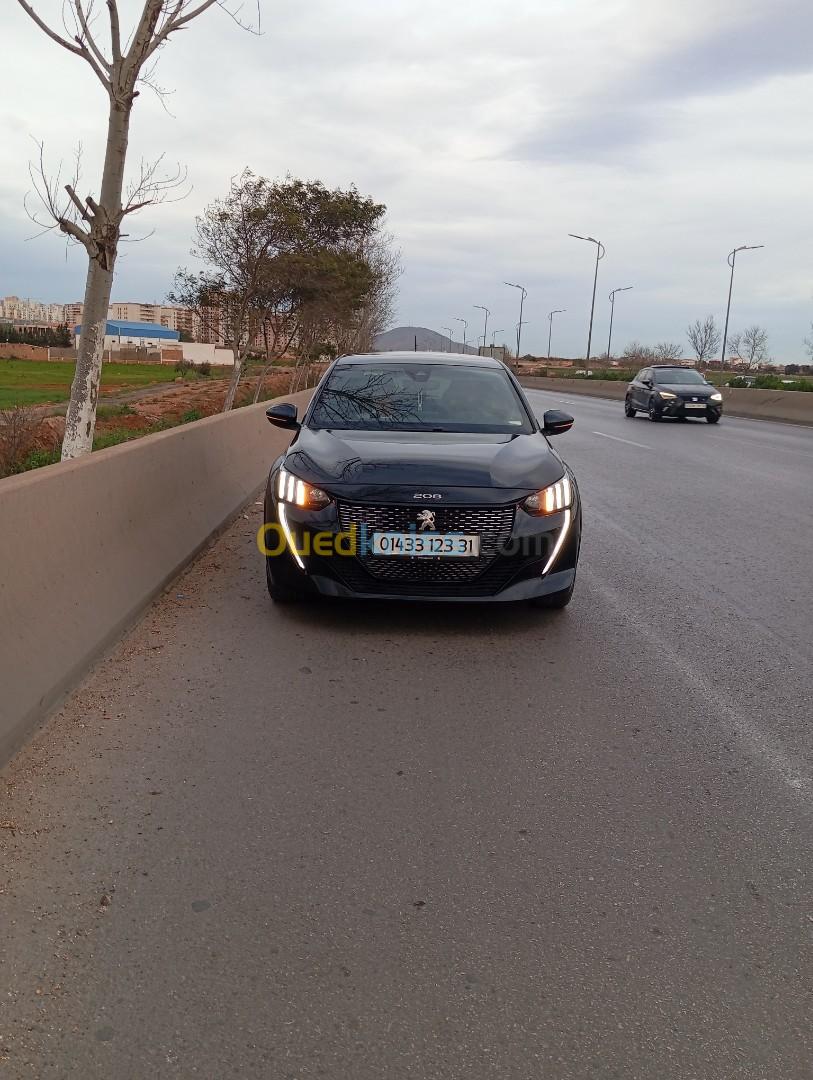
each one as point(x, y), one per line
point(665, 390)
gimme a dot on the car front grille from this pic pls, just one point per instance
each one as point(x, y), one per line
point(492, 524)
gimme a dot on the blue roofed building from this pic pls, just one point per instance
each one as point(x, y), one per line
point(120, 333)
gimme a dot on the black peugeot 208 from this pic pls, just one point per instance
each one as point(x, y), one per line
point(421, 477)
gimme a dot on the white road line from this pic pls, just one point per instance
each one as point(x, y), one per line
point(615, 438)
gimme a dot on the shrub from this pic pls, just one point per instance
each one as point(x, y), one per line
point(37, 458)
point(183, 366)
point(18, 432)
point(769, 382)
point(205, 368)
point(189, 417)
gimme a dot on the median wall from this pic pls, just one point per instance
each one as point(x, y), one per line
point(86, 544)
point(785, 406)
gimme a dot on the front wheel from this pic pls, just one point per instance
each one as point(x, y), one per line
point(554, 601)
point(654, 412)
point(628, 409)
point(712, 419)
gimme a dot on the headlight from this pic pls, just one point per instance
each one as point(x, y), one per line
point(666, 394)
point(550, 500)
point(290, 489)
point(715, 397)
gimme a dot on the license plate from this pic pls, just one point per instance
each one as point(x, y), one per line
point(694, 405)
point(449, 545)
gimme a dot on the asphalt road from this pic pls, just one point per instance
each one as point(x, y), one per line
point(379, 843)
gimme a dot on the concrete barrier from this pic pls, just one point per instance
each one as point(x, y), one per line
point(592, 387)
point(784, 406)
point(85, 545)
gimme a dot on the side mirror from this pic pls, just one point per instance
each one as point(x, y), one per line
point(555, 422)
point(283, 415)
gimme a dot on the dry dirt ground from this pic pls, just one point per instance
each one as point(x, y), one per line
point(168, 404)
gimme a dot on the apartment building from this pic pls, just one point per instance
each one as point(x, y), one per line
point(73, 314)
point(16, 309)
point(207, 327)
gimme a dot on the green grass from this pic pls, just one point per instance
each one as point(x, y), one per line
point(30, 382)
point(108, 412)
point(120, 435)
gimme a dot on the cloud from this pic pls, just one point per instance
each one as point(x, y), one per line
point(638, 100)
point(672, 131)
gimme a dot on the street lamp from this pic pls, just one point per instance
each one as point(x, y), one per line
point(600, 252)
point(457, 318)
point(448, 330)
point(732, 258)
point(493, 341)
point(558, 311)
point(626, 288)
point(485, 327)
point(524, 293)
point(519, 332)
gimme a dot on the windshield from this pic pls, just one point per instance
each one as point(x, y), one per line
point(420, 397)
point(677, 375)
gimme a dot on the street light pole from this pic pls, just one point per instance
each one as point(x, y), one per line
point(558, 311)
point(523, 294)
point(626, 288)
point(485, 326)
point(519, 331)
point(732, 258)
point(457, 318)
point(448, 330)
point(600, 253)
point(493, 339)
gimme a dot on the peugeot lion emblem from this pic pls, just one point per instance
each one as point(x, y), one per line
point(426, 519)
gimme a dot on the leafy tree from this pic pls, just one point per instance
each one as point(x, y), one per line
point(288, 261)
point(232, 240)
point(46, 336)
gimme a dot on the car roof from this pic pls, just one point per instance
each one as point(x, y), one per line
point(673, 367)
point(440, 358)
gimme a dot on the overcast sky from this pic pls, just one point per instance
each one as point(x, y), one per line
point(671, 131)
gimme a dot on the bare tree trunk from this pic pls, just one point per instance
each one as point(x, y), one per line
point(266, 366)
point(101, 247)
point(235, 379)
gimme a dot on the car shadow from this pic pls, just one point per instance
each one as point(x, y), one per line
point(418, 618)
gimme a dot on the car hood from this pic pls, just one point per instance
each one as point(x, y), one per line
point(424, 459)
point(687, 391)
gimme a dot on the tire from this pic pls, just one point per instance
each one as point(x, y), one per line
point(654, 415)
point(554, 601)
point(628, 409)
point(712, 419)
point(282, 588)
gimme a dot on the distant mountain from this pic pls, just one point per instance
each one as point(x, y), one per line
point(402, 338)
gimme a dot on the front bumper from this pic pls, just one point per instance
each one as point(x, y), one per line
point(333, 567)
point(687, 409)
point(527, 589)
